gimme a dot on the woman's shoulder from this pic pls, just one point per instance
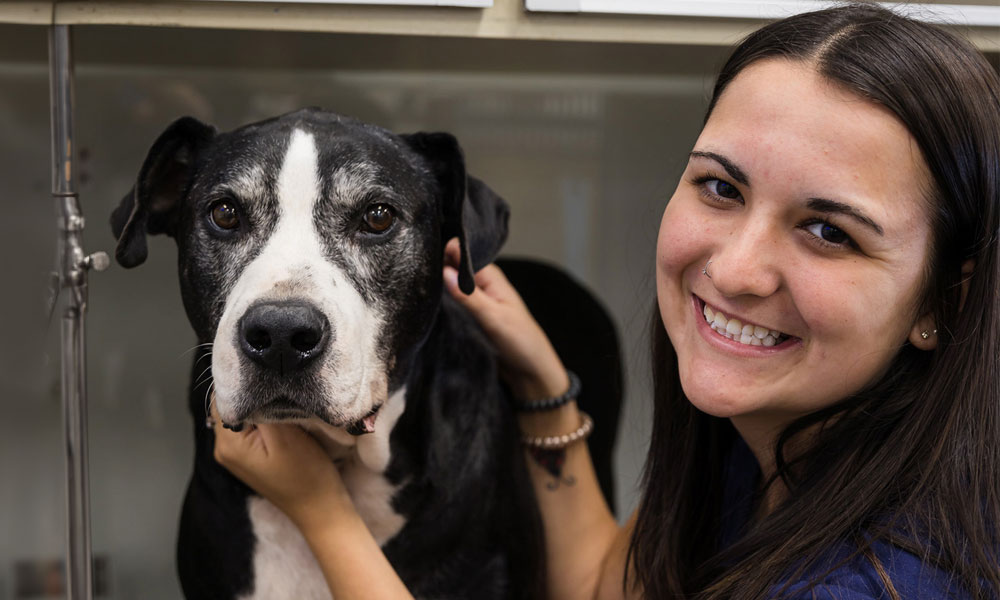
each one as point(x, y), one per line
point(855, 576)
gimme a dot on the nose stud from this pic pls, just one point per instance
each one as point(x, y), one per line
point(704, 271)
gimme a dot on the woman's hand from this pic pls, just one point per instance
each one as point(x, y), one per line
point(287, 466)
point(528, 362)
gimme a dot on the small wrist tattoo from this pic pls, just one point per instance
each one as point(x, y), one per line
point(553, 462)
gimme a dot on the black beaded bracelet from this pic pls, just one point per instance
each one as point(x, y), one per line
point(551, 403)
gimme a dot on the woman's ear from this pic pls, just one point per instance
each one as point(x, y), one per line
point(924, 335)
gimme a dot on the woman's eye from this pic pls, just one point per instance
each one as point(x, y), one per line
point(225, 215)
point(723, 189)
point(828, 233)
point(379, 218)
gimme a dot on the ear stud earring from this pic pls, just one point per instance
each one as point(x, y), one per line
point(925, 334)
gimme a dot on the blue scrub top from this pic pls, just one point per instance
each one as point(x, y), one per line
point(856, 579)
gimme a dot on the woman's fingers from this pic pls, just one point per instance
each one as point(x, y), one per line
point(238, 451)
point(452, 252)
point(493, 292)
point(225, 440)
point(494, 284)
point(254, 450)
point(530, 364)
point(481, 302)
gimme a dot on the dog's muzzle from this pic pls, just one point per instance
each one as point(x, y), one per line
point(282, 339)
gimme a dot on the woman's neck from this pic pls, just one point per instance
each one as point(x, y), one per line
point(761, 435)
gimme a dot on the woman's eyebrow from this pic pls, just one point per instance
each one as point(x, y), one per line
point(734, 171)
point(832, 206)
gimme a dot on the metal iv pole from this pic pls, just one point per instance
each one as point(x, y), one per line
point(73, 268)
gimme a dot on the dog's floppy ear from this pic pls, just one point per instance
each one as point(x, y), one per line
point(152, 205)
point(471, 210)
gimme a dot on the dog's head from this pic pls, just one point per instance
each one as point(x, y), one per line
point(310, 250)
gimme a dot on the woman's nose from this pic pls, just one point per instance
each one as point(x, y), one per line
point(748, 261)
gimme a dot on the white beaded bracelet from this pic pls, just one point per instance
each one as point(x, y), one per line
point(559, 442)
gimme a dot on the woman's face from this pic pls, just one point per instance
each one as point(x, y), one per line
point(810, 203)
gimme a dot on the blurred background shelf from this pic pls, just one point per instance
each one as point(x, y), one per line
point(705, 22)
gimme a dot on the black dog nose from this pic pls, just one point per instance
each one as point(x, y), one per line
point(283, 336)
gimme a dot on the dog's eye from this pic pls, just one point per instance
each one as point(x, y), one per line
point(379, 218)
point(225, 215)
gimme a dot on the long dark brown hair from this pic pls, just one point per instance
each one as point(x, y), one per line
point(913, 459)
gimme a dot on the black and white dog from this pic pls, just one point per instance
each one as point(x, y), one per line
point(310, 249)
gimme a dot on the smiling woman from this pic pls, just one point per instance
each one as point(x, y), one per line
point(844, 194)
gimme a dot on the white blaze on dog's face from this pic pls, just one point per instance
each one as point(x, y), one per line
point(303, 329)
point(292, 267)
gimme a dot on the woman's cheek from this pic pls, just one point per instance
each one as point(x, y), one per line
point(836, 304)
point(683, 238)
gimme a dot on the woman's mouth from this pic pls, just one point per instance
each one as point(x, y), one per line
point(749, 334)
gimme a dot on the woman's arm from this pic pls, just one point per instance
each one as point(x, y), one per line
point(585, 548)
point(286, 466)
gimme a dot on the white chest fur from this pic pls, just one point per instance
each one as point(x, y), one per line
point(283, 566)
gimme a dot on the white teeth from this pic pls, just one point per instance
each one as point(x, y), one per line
point(750, 334)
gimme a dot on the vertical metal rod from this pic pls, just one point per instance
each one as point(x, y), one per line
point(73, 278)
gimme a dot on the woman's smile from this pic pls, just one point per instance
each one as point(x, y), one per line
point(741, 336)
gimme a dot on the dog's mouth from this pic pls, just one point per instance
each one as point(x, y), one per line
point(279, 410)
point(283, 409)
point(365, 424)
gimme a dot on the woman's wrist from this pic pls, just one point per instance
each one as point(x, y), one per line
point(546, 382)
point(353, 564)
point(545, 387)
point(337, 524)
point(549, 422)
point(321, 512)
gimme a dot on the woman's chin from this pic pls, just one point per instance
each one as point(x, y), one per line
point(711, 400)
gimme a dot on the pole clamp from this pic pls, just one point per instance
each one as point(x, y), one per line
point(98, 261)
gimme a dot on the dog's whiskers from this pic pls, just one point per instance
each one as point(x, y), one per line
point(195, 347)
point(202, 378)
point(209, 421)
point(203, 357)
